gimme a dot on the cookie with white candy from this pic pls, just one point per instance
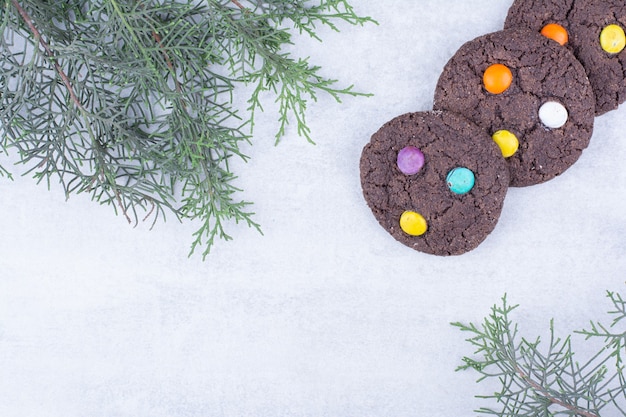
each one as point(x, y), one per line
point(529, 93)
point(593, 30)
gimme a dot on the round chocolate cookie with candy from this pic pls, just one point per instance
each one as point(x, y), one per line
point(593, 30)
point(435, 181)
point(531, 95)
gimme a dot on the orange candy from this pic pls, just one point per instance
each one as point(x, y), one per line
point(497, 78)
point(555, 32)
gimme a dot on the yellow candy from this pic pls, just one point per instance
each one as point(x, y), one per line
point(507, 142)
point(413, 223)
point(613, 39)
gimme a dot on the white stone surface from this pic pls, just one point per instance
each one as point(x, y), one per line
point(325, 314)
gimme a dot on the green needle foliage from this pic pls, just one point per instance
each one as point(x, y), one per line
point(133, 101)
point(545, 379)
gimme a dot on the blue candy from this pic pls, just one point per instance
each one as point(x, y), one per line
point(460, 180)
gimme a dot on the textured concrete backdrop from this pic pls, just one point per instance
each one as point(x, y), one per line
point(324, 315)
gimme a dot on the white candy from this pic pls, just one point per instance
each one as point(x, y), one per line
point(553, 114)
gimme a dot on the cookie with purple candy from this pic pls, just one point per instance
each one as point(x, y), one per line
point(435, 181)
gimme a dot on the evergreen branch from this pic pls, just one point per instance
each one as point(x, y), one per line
point(49, 54)
point(132, 101)
point(292, 81)
point(534, 383)
point(538, 388)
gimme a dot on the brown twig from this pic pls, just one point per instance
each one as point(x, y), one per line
point(236, 3)
point(121, 204)
point(37, 35)
point(157, 38)
point(151, 209)
point(537, 387)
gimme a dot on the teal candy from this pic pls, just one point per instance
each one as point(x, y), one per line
point(460, 180)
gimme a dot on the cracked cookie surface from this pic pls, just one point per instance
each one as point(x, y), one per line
point(535, 14)
point(542, 71)
point(584, 21)
point(456, 223)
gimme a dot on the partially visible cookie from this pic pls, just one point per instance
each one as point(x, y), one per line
point(606, 68)
point(529, 93)
point(536, 14)
point(435, 181)
point(595, 35)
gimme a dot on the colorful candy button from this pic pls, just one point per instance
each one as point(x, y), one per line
point(507, 142)
point(460, 180)
point(410, 160)
point(413, 223)
point(553, 114)
point(613, 39)
point(555, 32)
point(497, 78)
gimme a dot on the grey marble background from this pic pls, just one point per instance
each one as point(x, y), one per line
point(324, 315)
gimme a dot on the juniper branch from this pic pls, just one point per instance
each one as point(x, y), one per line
point(132, 101)
point(550, 384)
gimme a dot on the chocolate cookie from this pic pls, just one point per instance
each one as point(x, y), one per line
point(595, 34)
point(536, 14)
point(435, 181)
point(529, 93)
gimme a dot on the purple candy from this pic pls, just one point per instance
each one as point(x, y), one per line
point(410, 160)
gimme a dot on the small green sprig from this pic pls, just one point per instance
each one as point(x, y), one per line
point(132, 102)
point(545, 379)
